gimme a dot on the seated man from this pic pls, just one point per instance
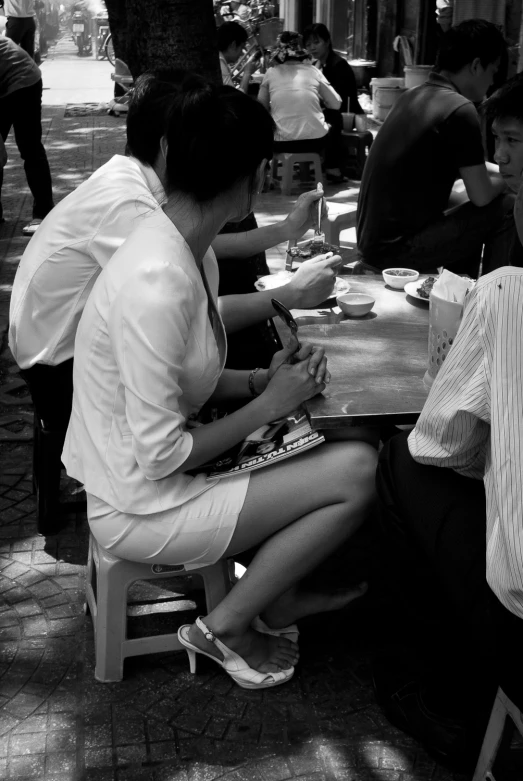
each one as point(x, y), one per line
point(61, 264)
point(232, 38)
point(430, 139)
point(453, 493)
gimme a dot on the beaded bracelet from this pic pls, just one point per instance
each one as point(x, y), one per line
point(251, 382)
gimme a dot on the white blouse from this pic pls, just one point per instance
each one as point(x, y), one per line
point(146, 359)
point(294, 90)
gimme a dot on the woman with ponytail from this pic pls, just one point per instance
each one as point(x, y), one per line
point(150, 352)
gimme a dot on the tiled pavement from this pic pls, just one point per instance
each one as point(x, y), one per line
point(159, 723)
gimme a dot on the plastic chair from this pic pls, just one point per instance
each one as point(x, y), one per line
point(503, 707)
point(108, 580)
point(287, 160)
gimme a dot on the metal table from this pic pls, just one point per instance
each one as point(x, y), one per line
point(377, 362)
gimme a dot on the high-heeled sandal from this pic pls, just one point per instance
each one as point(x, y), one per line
point(290, 632)
point(233, 664)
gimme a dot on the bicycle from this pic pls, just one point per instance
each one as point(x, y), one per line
point(108, 49)
point(263, 35)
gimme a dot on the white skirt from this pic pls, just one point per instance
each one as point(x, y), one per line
point(196, 534)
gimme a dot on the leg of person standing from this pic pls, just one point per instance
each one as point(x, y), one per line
point(6, 121)
point(22, 31)
point(27, 125)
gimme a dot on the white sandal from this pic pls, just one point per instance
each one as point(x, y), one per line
point(290, 632)
point(233, 664)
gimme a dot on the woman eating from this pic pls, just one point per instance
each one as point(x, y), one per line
point(150, 352)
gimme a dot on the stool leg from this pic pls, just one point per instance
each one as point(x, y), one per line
point(216, 581)
point(111, 620)
point(286, 176)
point(491, 741)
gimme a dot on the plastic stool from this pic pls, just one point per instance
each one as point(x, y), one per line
point(340, 217)
point(47, 466)
point(503, 707)
point(359, 142)
point(108, 580)
point(287, 160)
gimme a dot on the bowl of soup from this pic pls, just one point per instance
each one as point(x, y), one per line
point(398, 277)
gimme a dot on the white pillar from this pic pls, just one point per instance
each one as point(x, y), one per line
point(289, 14)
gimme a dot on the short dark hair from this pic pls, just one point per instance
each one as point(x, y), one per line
point(473, 38)
point(201, 124)
point(231, 32)
point(317, 30)
point(507, 101)
point(151, 101)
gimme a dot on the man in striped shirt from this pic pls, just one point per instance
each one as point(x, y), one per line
point(453, 490)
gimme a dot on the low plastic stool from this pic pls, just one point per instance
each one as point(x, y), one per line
point(47, 466)
point(340, 217)
point(108, 580)
point(359, 142)
point(287, 160)
point(503, 707)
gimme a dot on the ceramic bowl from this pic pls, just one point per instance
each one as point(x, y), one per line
point(399, 281)
point(355, 304)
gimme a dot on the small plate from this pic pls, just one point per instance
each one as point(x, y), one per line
point(411, 289)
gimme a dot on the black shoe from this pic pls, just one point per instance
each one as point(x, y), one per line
point(445, 738)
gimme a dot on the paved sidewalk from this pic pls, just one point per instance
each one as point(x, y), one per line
point(160, 723)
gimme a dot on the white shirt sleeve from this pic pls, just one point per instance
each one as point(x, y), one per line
point(454, 426)
point(226, 73)
point(149, 328)
point(264, 95)
point(117, 225)
point(327, 92)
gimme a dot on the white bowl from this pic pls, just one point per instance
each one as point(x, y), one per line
point(399, 281)
point(355, 304)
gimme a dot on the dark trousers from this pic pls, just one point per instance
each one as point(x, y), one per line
point(22, 111)
point(51, 389)
point(255, 345)
point(333, 145)
point(456, 241)
point(22, 31)
point(433, 566)
point(315, 145)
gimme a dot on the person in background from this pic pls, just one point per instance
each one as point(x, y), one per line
point(232, 38)
point(339, 74)
point(21, 109)
point(151, 329)
point(451, 498)
point(292, 90)
point(21, 23)
point(429, 140)
point(62, 262)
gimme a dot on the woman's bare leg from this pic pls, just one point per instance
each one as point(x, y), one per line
point(303, 509)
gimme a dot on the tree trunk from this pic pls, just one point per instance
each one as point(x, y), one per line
point(165, 34)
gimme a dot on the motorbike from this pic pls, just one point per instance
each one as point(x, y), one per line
point(81, 34)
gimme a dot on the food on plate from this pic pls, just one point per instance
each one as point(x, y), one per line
point(312, 249)
point(426, 286)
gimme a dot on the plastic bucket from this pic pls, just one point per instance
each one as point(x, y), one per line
point(385, 93)
point(444, 320)
point(416, 75)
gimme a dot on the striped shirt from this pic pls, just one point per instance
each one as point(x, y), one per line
point(472, 421)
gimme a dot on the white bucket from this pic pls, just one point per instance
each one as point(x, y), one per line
point(385, 93)
point(444, 321)
point(416, 75)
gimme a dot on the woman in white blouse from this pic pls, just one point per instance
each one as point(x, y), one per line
point(150, 351)
point(292, 90)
